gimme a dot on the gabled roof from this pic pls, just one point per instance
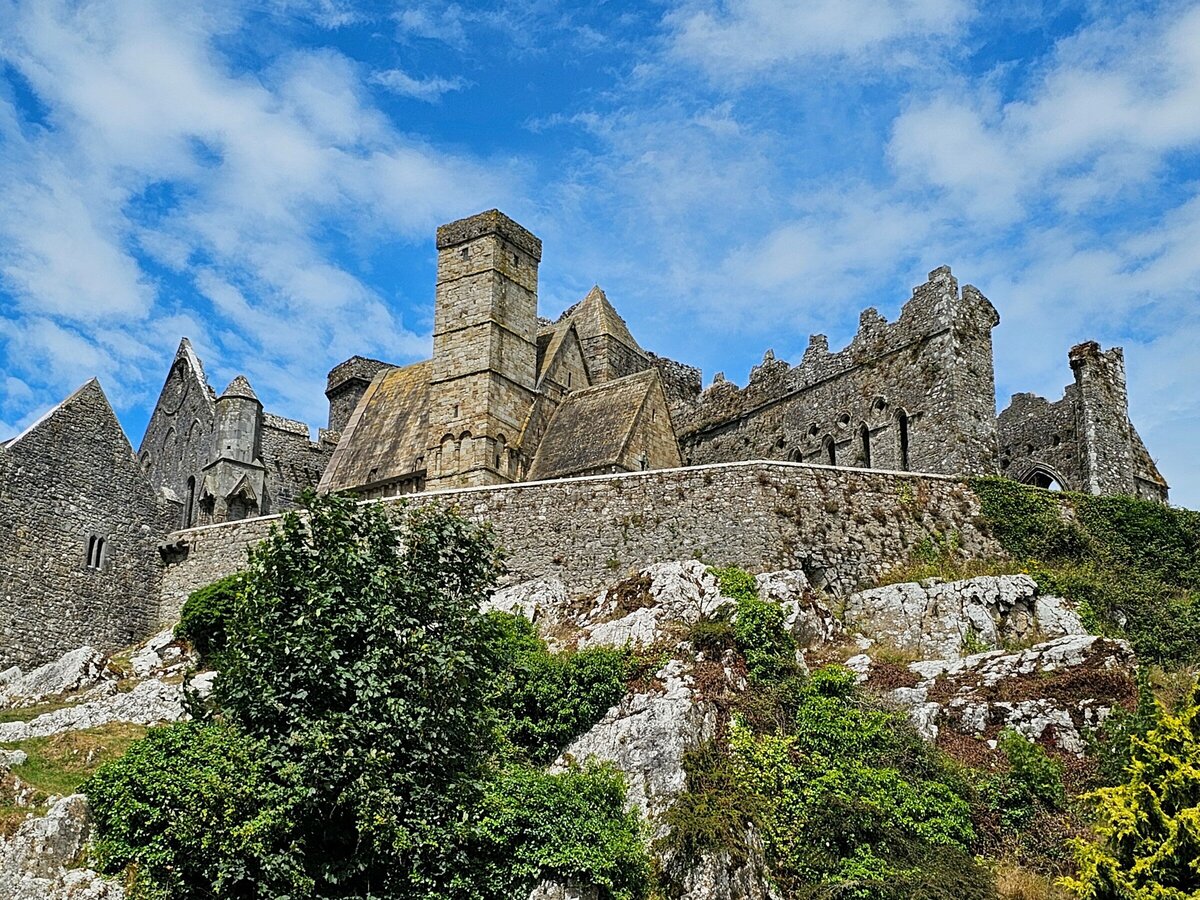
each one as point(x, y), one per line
point(594, 316)
point(90, 387)
point(555, 340)
point(386, 433)
point(592, 427)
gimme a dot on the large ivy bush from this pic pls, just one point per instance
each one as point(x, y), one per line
point(1132, 566)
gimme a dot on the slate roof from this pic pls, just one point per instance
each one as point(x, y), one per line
point(592, 427)
point(386, 433)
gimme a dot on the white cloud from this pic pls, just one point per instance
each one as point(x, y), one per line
point(741, 37)
point(430, 90)
point(259, 169)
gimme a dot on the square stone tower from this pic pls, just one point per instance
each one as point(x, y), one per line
point(484, 350)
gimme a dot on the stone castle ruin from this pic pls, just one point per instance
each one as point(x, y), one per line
point(526, 420)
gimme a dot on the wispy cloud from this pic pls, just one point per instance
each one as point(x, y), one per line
point(738, 38)
point(429, 90)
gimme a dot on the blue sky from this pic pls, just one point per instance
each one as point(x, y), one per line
point(266, 179)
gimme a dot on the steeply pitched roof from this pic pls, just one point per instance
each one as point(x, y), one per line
point(592, 427)
point(1143, 462)
point(240, 387)
point(594, 316)
point(386, 433)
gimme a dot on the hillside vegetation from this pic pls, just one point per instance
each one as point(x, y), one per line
point(374, 735)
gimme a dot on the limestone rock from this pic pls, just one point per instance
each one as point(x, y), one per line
point(161, 654)
point(149, 703)
point(532, 599)
point(807, 617)
point(556, 890)
point(73, 671)
point(719, 876)
point(646, 735)
point(939, 619)
point(35, 861)
point(10, 758)
point(1053, 692)
point(642, 608)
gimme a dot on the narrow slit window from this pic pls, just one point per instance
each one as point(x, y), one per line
point(865, 435)
point(95, 552)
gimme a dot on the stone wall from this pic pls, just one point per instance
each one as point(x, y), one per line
point(294, 461)
point(1085, 441)
point(844, 527)
point(79, 525)
point(915, 394)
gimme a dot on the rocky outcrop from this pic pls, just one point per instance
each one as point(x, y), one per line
point(806, 615)
point(942, 620)
point(646, 735)
point(39, 862)
point(74, 671)
point(722, 875)
point(1053, 692)
point(149, 703)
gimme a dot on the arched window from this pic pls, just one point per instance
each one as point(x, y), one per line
point(902, 438)
point(189, 509)
point(95, 552)
point(829, 450)
point(864, 434)
point(795, 455)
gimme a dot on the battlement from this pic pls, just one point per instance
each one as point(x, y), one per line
point(482, 224)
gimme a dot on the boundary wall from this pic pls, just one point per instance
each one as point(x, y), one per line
point(843, 527)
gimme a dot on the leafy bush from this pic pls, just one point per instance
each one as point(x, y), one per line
point(574, 825)
point(1112, 744)
point(548, 699)
point(194, 811)
point(758, 630)
point(1032, 784)
point(1148, 827)
point(851, 802)
point(206, 613)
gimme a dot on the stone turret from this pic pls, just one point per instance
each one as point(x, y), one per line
point(234, 480)
point(484, 373)
point(1102, 414)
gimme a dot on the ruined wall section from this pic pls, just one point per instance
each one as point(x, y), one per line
point(79, 527)
point(917, 394)
point(1085, 441)
point(843, 527)
point(1039, 441)
point(294, 461)
point(681, 383)
point(179, 436)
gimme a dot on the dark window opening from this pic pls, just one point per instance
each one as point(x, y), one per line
point(865, 434)
point(902, 438)
point(830, 451)
point(189, 509)
point(95, 552)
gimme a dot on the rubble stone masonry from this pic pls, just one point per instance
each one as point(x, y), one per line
point(843, 527)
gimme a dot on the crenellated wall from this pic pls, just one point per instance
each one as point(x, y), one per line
point(844, 527)
point(916, 394)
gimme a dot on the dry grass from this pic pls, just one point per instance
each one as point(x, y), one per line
point(949, 569)
point(1014, 882)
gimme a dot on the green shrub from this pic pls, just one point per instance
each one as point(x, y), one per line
point(1032, 785)
point(714, 634)
point(1148, 827)
point(758, 630)
point(548, 699)
point(204, 618)
point(1112, 744)
point(850, 802)
point(195, 811)
point(571, 826)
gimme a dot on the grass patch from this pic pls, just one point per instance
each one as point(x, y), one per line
point(29, 713)
point(58, 764)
